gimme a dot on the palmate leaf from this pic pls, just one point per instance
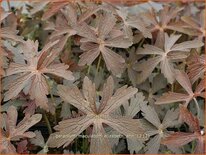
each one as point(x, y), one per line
point(14, 132)
point(162, 21)
point(69, 129)
point(68, 21)
point(31, 75)
point(95, 43)
point(159, 129)
point(130, 22)
point(184, 81)
point(179, 139)
point(170, 53)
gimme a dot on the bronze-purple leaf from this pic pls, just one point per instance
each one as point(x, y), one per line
point(179, 139)
point(165, 56)
point(32, 74)
point(96, 42)
point(13, 131)
point(95, 115)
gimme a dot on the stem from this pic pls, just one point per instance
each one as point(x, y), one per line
point(44, 114)
point(198, 108)
point(52, 98)
point(53, 101)
point(193, 146)
point(98, 64)
point(79, 8)
point(84, 145)
point(172, 87)
point(88, 70)
point(0, 86)
point(140, 44)
point(47, 123)
point(9, 6)
point(76, 145)
point(66, 54)
point(183, 149)
point(69, 43)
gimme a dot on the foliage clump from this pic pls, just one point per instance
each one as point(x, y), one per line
point(106, 77)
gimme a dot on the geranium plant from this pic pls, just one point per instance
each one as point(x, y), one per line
point(102, 77)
